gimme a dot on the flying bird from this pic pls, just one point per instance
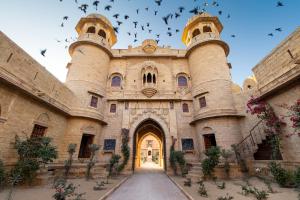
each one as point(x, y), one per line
point(96, 3)
point(43, 52)
point(108, 7)
point(279, 4)
point(158, 2)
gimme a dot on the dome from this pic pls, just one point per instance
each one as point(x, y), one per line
point(195, 17)
point(99, 16)
point(249, 83)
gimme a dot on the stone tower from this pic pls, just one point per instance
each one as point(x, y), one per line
point(90, 54)
point(214, 110)
point(87, 75)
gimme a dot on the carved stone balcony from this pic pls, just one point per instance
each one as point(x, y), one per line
point(205, 38)
point(149, 89)
point(93, 39)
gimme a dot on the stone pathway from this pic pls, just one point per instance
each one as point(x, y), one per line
point(148, 184)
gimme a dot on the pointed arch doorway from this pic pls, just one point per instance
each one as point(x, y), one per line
point(149, 146)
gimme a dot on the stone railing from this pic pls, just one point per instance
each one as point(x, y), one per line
point(92, 39)
point(207, 37)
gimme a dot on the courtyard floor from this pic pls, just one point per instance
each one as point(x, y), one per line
point(234, 189)
point(47, 191)
point(148, 184)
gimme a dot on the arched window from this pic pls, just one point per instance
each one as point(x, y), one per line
point(196, 32)
point(144, 78)
point(185, 107)
point(113, 108)
point(116, 81)
point(149, 78)
point(154, 78)
point(102, 33)
point(182, 81)
point(91, 29)
point(206, 29)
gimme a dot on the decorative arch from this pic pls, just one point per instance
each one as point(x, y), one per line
point(160, 145)
point(91, 29)
point(142, 127)
point(149, 73)
point(207, 130)
point(43, 119)
point(116, 81)
point(88, 129)
point(162, 123)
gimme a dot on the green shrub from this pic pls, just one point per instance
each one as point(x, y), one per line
point(2, 174)
point(283, 177)
point(227, 197)
point(178, 157)
point(33, 152)
point(68, 163)
point(202, 190)
point(93, 148)
point(124, 149)
point(297, 177)
point(226, 155)
point(259, 194)
point(113, 164)
point(212, 160)
point(221, 185)
point(64, 190)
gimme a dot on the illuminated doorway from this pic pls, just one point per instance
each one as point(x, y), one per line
point(149, 146)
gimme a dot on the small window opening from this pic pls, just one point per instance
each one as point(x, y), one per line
point(38, 131)
point(209, 141)
point(91, 29)
point(207, 29)
point(94, 102)
point(202, 102)
point(113, 108)
point(196, 32)
point(185, 107)
point(102, 33)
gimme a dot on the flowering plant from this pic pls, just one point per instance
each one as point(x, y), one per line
point(265, 112)
point(294, 116)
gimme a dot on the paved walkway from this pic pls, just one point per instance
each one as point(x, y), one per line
point(148, 184)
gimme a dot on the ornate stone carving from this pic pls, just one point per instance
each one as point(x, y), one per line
point(149, 92)
point(149, 46)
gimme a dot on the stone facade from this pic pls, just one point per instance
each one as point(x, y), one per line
point(187, 93)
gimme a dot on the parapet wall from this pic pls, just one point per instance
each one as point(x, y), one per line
point(20, 69)
point(280, 66)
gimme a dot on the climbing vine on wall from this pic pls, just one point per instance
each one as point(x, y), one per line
point(265, 112)
point(177, 157)
point(124, 149)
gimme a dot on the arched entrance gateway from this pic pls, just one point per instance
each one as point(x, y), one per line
point(149, 146)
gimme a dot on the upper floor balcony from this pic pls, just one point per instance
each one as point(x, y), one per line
point(93, 39)
point(205, 38)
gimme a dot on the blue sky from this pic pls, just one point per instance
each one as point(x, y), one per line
point(35, 25)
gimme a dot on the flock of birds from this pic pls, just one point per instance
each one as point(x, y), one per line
point(141, 28)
